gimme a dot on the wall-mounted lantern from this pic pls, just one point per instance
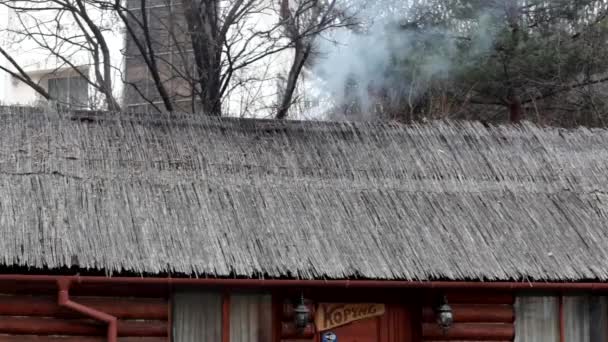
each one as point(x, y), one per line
point(302, 315)
point(445, 316)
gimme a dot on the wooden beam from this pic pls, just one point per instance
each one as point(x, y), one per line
point(474, 313)
point(226, 317)
point(469, 332)
point(277, 313)
point(170, 318)
point(463, 341)
point(46, 306)
point(54, 326)
point(479, 297)
point(34, 338)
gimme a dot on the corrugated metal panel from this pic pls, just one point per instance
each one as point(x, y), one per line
point(537, 319)
point(586, 319)
point(197, 317)
point(250, 318)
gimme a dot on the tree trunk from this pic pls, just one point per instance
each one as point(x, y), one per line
point(105, 81)
point(21, 75)
point(203, 21)
point(515, 109)
point(301, 55)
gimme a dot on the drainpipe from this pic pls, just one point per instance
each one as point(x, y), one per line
point(65, 301)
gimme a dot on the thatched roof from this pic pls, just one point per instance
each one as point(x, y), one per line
point(228, 197)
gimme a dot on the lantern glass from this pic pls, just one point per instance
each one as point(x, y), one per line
point(302, 316)
point(445, 317)
point(444, 314)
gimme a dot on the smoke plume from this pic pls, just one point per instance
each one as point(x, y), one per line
point(390, 56)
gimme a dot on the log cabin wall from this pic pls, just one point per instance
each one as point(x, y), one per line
point(29, 318)
point(37, 317)
point(477, 317)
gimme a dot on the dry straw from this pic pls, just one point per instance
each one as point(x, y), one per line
point(229, 197)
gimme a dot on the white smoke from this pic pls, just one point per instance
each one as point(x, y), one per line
point(367, 56)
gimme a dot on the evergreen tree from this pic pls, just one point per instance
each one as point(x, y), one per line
point(525, 56)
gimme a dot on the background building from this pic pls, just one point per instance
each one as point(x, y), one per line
point(152, 54)
point(60, 79)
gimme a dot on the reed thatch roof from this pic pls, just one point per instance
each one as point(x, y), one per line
point(228, 197)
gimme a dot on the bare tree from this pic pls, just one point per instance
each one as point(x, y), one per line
point(303, 21)
point(226, 40)
point(63, 29)
point(220, 48)
point(21, 75)
point(197, 51)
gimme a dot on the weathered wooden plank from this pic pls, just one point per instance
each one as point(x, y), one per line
point(126, 308)
point(54, 326)
point(289, 331)
point(480, 297)
point(35, 338)
point(469, 332)
point(474, 313)
point(462, 341)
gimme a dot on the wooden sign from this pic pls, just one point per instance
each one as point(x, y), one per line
point(331, 315)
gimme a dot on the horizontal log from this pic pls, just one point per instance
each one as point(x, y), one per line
point(288, 330)
point(479, 297)
point(469, 332)
point(454, 341)
point(474, 313)
point(85, 289)
point(126, 308)
point(54, 326)
point(34, 338)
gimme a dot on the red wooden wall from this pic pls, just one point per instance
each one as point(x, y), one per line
point(25, 318)
point(478, 316)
